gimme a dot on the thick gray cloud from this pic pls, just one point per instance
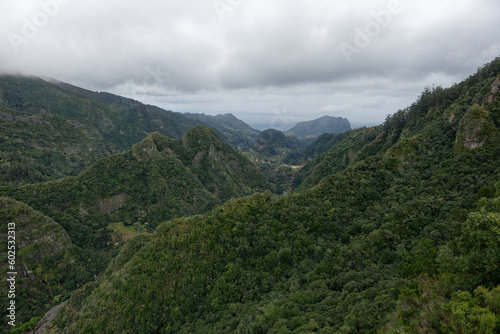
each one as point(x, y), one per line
point(270, 63)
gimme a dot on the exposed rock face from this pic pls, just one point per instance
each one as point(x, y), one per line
point(495, 88)
point(145, 149)
point(476, 128)
point(451, 118)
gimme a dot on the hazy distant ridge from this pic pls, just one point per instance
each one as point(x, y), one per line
point(315, 128)
point(233, 130)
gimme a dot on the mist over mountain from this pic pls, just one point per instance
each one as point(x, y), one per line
point(387, 229)
point(389, 218)
point(250, 167)
point(62, 129)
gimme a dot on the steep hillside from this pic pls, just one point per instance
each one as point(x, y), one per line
point(273, 143)
point(47, 264)
point(51, 129)
point(273, 152)
point(220, 168)
point(159, 179)
point(331, 153)
point(451, 289)
point(315, 128)
point(401, 211)
point(232, 130)
point(462, 117)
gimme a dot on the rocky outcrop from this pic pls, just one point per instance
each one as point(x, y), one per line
point(495, 88)
point(145, 149)
point(476, 128)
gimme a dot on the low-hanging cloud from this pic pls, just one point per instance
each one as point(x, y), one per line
point(361, 60)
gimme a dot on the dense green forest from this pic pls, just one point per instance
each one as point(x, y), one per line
point(159, 179)
point(391, 229)
point(50, 129)
point(274, 152)
point(48, 264)
point(396, 230)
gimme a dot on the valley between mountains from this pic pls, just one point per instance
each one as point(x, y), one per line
point(135, 219)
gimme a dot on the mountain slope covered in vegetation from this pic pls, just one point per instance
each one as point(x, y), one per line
point(465, 112)
point(234, 131)
point(159, 179)
point(274, 143)
point(50, 129)
point(387, 234)
point(47, 264)
point(317, 127)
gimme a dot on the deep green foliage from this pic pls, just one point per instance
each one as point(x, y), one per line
point(389, 231)
point(437, 114)
point(48, 265)
point(334, 257)
point(333, 153)
point(159, 179)
point(454, 288)
point(27, 326)
point(51, 129)
point(475, 253)
point(272, 143)
point(439, 305)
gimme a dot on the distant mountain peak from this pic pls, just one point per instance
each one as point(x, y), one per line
point(324, 124)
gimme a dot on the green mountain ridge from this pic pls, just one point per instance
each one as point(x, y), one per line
point(159, 179)
point(386, 235)
point(234, 131)
point(465, 110)
point(51, 129)
point(61, 129)
point(273, 142)
point(317, 127)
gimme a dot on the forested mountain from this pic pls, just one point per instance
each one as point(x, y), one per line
point(272, 143)
point(231, 129)
point(396, 229)
point(272, 152)
point(52, 129)
point(467, 115)
point(48, 265)
point(317, 127)
point(159, 179)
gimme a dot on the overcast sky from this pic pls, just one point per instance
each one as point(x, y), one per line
point(270, 63)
